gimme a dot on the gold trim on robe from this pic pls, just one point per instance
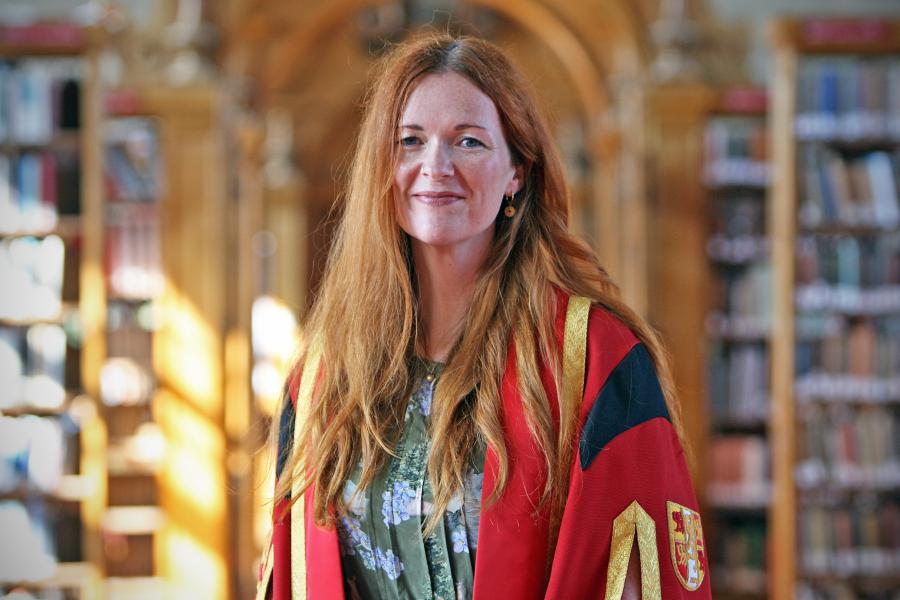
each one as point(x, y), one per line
point(633, 519)
point(298, 510)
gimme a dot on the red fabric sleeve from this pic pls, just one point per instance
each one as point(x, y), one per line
point(629, 452)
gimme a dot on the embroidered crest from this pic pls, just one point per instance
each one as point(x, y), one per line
point(686, 545)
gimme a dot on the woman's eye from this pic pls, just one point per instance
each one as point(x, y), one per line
point(470, 142)
point(409, 141)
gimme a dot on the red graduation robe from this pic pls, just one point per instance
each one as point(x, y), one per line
point(629, 483)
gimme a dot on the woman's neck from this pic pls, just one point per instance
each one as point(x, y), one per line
point(447, 276)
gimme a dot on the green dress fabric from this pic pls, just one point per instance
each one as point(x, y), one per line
point(384, 553)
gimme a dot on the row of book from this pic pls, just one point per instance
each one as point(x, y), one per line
point(848, 99)
point(855, 191)
point(846, 389)
point(862, 539)
point(40, 98)
point(739, 474)
point(862, 348)
point(736, 152)
point(32, 272)
point(738, 250)
point(36, 187)
point(33, 367)
point(882, 300)
point(131, 168)
point(33, 268)
point(848, 261)
point(738, 555)
point(739, 215)
point(133, 261)
point(746, 292)
point(738, 378)
point(842, 447)
point(126, 377)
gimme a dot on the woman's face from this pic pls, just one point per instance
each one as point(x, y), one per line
point(455, 165)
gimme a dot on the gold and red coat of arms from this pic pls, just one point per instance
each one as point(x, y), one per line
point(686, 545)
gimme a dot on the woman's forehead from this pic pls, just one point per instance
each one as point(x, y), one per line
point(449, 98)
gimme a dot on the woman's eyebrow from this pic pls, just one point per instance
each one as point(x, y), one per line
point(457, 128)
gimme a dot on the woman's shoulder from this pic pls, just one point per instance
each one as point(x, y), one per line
point(622, 389)
point(607, 331)
point(613, 348)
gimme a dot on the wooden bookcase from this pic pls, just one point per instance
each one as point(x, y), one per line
point(50, 160)
point(189, 404)
point(738, 487)
point(691, 252)
point(835, 112)
point(145, 297)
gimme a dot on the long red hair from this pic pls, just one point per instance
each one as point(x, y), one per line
point(365, 314)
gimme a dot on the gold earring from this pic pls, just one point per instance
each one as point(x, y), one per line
point(510, 210)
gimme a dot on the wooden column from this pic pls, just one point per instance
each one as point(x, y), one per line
point(192, 549)
point(782, 230)
point(243, 424)
point(632, 223)
point(678, 296)
point(92, 308)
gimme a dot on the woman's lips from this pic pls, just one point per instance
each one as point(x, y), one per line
point(437, 198)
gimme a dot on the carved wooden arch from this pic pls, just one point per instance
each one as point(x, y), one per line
point(569, 39)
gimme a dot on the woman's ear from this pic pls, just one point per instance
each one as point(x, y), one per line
point(517, 182)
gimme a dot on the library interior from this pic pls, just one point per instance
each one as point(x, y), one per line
point(169, 171)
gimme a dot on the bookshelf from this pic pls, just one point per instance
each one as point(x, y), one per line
point(130, 201)
point(833, 220)
point(51, 486)
point(169, 290)
point(738, 487)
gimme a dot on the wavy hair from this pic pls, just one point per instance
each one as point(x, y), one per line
point(365, 315)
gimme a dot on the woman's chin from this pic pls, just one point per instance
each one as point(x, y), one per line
point(438, 240)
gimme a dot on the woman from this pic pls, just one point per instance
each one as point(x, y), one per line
point(479, 414)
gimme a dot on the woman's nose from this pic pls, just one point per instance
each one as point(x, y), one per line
point(436, 162)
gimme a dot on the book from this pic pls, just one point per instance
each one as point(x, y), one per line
point(847, 99)
point(42, 99)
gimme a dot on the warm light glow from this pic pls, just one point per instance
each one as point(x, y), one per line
point(267, 381)
point(274, 328)
point(195, 459)
point(124, 381)
point(276, 338)
point(148, 445)
point(192, 570)
point(187, 353)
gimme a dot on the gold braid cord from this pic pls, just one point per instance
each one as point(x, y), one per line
point(298, 538)
point(633, 518)
point(574, 349)
point(298, 531)
point(574, 354)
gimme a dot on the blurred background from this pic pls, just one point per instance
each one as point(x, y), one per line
point(167, 168)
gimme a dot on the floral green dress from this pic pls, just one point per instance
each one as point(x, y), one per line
point(384, 553)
